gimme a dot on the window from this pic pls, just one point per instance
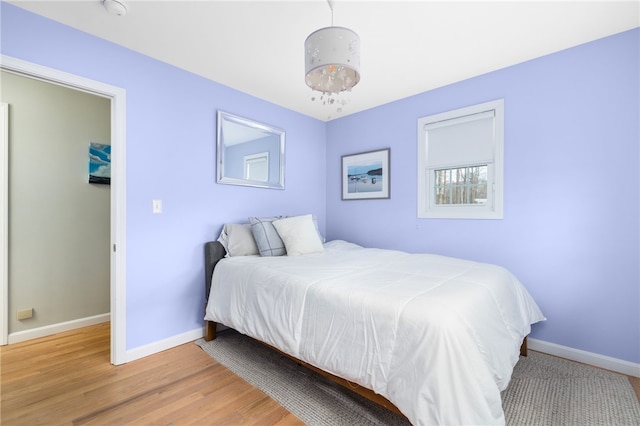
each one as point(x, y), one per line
point(460, 163)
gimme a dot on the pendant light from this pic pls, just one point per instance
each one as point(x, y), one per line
point(332, 62)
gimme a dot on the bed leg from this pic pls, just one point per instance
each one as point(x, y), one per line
point(523, 348)
point(209, 330)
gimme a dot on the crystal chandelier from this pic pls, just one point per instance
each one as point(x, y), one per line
point(332, 62)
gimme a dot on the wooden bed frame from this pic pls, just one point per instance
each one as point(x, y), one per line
point(213, 252)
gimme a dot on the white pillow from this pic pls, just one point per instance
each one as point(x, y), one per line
point(240, 241)
point(224, 240)
point(299, 235)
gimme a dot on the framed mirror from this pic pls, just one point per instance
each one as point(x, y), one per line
point(249, 153)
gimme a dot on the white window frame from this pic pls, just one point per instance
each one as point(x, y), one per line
point(493, 208)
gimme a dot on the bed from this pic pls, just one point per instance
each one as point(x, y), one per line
point(432, 337)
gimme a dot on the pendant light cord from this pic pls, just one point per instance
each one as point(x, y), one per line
point(330, 3)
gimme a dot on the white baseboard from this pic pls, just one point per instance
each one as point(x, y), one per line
point(601, 361)
point(590, 358)
point(163, 345)
point(48, 330)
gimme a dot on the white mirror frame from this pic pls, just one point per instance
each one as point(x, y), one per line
point(233, 130)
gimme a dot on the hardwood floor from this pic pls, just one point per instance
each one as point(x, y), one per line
point(66, 379)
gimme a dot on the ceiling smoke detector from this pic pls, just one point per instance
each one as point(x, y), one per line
point(115, 7)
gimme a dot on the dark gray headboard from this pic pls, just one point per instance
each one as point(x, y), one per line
point(213, 252)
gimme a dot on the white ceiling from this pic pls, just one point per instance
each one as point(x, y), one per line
point(408, 47)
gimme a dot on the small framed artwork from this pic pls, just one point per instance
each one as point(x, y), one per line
point(99, 163)
point(366, 175)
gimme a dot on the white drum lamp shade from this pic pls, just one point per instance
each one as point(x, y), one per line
point(332, 59)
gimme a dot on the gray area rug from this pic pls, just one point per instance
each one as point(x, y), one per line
point(544, 390)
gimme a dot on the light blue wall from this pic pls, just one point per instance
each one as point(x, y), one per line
point(571, 229)
point(572, 188)
point(171, 128)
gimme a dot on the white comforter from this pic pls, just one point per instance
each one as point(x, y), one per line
point(435, 335)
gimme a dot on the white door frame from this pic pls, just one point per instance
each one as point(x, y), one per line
point(117, 96)
point(4, 222)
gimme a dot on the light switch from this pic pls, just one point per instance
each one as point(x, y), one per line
point(157, 206)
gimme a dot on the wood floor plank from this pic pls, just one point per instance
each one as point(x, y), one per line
point(66, 379)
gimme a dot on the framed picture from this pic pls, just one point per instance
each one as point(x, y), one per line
point(366, 175)
point(99, 163)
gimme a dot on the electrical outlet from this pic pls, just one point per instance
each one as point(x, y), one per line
point(24, 314)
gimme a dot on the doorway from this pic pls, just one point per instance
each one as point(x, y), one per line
point(117, 198)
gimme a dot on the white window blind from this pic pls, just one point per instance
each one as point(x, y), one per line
point(461, 141)
point(460, 163)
